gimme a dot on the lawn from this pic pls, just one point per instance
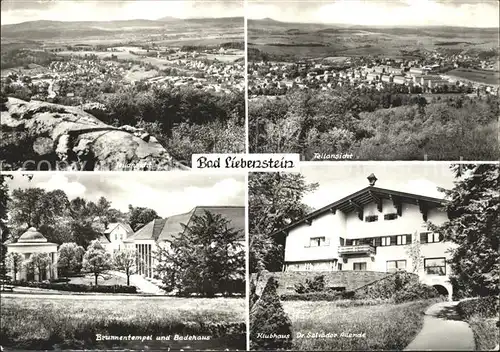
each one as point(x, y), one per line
point(386, 326)
point(106, 280)
point(73, 322)
point(475, 75)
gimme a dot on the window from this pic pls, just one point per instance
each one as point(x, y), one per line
point(371, 218)
point(430, 237)
point(359, 266)
point(339, 266)
point(401, 239)
point(355, 242)
point(435, 266)
point(317, 241)
point(396, 265)
point(386, 241)
point(392, 216)
point(308, 266)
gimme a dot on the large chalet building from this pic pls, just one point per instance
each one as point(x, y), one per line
point(372, 229)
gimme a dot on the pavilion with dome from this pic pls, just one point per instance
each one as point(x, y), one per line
point(29, 243)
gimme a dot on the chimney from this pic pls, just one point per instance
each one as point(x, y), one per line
point(372, 179)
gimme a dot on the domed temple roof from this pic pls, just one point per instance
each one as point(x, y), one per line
point(32, 235)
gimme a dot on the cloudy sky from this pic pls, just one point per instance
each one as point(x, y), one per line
point(16, 11)
point(338, 181)
point(468, 13)
point(168, 193)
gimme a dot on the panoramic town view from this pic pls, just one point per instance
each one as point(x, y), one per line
point(378, 80)
point(375, 257)
point(89, 263)
point(120, 85)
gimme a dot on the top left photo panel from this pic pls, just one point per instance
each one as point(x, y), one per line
point(120, 85)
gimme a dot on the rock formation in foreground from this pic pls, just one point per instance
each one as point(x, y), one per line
point(37, 135)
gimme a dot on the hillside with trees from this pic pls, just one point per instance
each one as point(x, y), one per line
point(376, 126)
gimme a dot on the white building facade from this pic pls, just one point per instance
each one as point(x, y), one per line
point(373, 229)
point(30, 243)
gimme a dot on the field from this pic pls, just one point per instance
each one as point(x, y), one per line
point(474, 75)
point(72, 322)
point(299, 40)
point(381, 327)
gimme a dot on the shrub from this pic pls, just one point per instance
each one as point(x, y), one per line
point(268, 318)
point(317, 284)
point(312, 296)
point(78, 287)
point(415, 291)
point(386, 287)
point(484, 306)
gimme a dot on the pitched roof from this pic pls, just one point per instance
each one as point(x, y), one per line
point(166, 229)
point(113, 225)
point(363, 197)
point(103, 239)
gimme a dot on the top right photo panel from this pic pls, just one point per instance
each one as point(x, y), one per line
point(374, 80)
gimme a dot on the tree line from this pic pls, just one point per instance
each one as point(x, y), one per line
point(376, 126)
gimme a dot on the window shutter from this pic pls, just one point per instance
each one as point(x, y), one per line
point(408, 239)
point(378, 241)
point(342, 241)
point(394, 240)
point(423, 237)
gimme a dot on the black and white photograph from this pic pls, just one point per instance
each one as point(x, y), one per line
point(120, 85)
point(128, 261)
point(374, 80)
point(375, 257)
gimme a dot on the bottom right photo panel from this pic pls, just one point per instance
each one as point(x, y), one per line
point(375, 257)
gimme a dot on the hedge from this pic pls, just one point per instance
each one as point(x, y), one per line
point(484, 306)
point(77, 287)
point(317, 296)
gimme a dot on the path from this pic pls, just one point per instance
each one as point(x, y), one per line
point(443, 330)
point(142, 284)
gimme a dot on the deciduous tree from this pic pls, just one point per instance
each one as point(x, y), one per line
point(96, 259)
point(70, 258)
point(275, 199)
point(125, 260)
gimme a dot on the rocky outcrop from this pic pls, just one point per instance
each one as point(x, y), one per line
point(39, 136)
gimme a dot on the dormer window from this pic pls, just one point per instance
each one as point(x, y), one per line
point(392, 216)
point(371, 218)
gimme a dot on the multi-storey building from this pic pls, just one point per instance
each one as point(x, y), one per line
point(160, 232)
point(114, 236)
point(373, 229)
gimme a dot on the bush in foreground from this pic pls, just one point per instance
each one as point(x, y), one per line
point(270, 327)
point(482, 314)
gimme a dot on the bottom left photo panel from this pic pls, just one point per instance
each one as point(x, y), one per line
point(124, 260)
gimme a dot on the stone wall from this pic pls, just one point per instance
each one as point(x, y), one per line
point(351, 280)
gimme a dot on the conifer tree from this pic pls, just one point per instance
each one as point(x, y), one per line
point(206, 258)
point(474, 226)
point(270, 326)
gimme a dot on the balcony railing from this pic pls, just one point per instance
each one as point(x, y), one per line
point(366, 249)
